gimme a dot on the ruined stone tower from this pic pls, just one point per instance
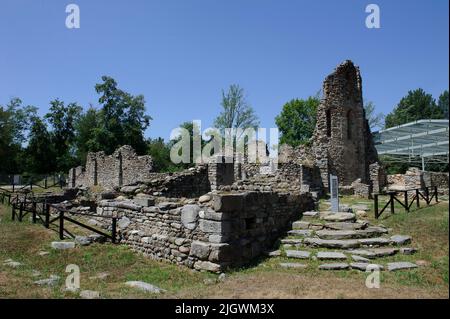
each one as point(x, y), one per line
point(342, 142)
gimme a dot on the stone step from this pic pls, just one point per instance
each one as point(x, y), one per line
point(339, 217)
point(377, 241)
point(351, 234)
point(400, 240)
point(400, 266)
point(311, 215)
point(360, 259)
point(365, 266)
point(345, 226)
point(333, 255)
point(301, 232)
point(331, 243)
point(334, 266)
point(293, 265)
point(374, 252)
point(292, 241)
point(300, 254)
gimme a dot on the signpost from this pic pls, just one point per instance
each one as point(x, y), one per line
point(334, 193)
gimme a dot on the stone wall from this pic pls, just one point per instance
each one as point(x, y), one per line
point(342, 141)
point(189, 183)
point(226, 229)
point(121, 168)
point(415, 178)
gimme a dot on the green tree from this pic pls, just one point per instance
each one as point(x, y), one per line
point(123, 118)
point(297, 120)
point(40, 152)
point(443, 104)
point(375, 119)
point(63, 120)
point(416, 105)
point(236, 112)
point(88, 128)
point(14, 126)
point(160, 152)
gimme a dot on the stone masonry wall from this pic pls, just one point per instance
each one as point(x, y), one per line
point(121, 168)
point(229, 229)
point(342, 142)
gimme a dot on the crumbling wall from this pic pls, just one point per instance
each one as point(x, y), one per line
point(415, 178)
point(226, 229)
point(121, 168)
point(189, 183)
point(342, 142)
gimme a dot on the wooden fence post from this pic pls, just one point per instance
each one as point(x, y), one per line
point(34, 212)
point(114, 230)
point(61, 225)
point(417, 196)
point(47, 214)
point(375, 199)
point(406, 202)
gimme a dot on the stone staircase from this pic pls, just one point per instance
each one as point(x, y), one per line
point(340, 241)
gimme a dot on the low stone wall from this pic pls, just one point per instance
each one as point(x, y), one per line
point(230, 229)
point(415, 178)
point(189, 183)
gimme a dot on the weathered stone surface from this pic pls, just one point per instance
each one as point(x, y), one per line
point(408, 250)
point(123, 223)
point(43, 253)
point(400, 239)
point(360, 259)
point(345, 226)
point(60, 245)
point(200, 249)
point(340, 217)
point(300, 225)
point(374, 252)
point(330, 255)
point(51, 281)
point(144, 286)
point(228, 203)
point(337, 234)
point(374, 241)
point(207, 265)
point(82, 240)
point(209, 226)
point(400, 266)
point(300, 232)
point(275, 253)
point(365, 266)
point(334, 266)
point(96, 238)
point(129, 189)
point(204, 198)
point(298, 254)
point(189, 216)
point(89, 294)
point(293, 265)
point(100, 276)
point(13, 264)
point(310, 215)
point(342, 244)
point(144, 201)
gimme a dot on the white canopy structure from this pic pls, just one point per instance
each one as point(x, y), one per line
point(423, 141)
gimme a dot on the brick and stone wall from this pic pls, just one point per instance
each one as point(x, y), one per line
point(121, 168)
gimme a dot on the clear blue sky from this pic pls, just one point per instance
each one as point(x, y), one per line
point(181, 54)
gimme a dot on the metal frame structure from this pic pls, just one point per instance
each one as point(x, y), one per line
point(422, 141)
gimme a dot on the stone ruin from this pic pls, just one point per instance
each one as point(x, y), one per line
point(121, 168)
point(224, 213)
point(342, 143)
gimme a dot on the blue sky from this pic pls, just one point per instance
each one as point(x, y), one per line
point(181, 54)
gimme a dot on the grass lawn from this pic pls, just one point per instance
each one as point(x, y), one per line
point(264, 279)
